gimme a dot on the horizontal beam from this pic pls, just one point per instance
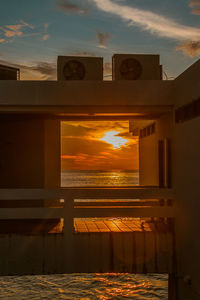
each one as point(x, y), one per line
point(31, 213)
point(56, 213)
point(117, 203)
point(72, 110)
point(138, 212)
point(85, 93)
point(88, 193)
point(87, 117)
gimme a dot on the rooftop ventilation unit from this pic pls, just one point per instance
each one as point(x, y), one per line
point(136, 67)
point(79, 68)
point(9, 73)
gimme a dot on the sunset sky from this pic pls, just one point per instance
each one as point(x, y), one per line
point(34, 32)
point(98, 145)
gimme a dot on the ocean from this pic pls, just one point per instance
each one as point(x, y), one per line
point(88, 286)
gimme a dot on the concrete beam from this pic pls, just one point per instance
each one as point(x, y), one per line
point(85, 93)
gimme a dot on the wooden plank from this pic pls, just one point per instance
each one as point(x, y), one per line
point(171, 252)
point(59, 255)
point(138, 223)
point(117, 203)
point(106, 252)
point(131, 224)
point(102, 226)
point(128, 251)
point(119, 253)
point(31, 213)
point(5, 254)
point(112, 226)
point(121, 193)
point(162, 252)
point(122, 226)
point(135, 212)
point(88, 193)
point(49, 257)
point(31, 194)
point(94, 252)
point(80, 254)
point(150, 252)
point(68, 233)
point(140, 252)
point(92, 226)
point(81, 226)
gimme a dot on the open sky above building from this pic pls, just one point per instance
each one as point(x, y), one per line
point(33, 33)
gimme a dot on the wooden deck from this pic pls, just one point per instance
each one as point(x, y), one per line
point(116, 235)
point(111, 225)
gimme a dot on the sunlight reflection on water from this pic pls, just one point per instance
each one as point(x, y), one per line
point(84, 286)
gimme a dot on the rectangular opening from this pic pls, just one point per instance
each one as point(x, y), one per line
point(98, 153)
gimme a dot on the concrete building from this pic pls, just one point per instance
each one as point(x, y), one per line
point(165, 114)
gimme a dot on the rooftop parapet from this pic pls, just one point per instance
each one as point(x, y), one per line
point(9, 73)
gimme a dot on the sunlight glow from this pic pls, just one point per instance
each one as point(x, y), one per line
point(111, 137)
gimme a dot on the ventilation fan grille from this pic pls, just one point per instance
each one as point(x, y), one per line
point(130, 69)
point(74, 70)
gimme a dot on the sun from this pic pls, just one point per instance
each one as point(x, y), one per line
point(111, 137)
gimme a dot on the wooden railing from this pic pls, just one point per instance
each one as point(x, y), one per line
point(120, 204)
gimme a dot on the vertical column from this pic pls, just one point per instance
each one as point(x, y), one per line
point(68, 233)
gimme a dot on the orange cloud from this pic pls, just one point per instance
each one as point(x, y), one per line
point(191, 48)
point(22, 29)
point(83, 149)
point(45, 37)
point(195, 4)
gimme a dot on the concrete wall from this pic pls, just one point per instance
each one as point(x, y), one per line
point(149, 150)
point(148, 160)
point(52, 164)
point(186, 182)
point(29, 153)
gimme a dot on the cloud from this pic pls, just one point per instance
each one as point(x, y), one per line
point(108, 68)
point(12, 30)
point(191, 48)
point(69, 130)
point(149, 21)
point(83, 147)
point(35, 70)
point(45, 37)
point(27, 24)
point(102, 37)
point(22, 29)
point(46, 70)
point(70, 8)
point(17, 30)
point(195, 4)
point(46, 26)
point(82, 53)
